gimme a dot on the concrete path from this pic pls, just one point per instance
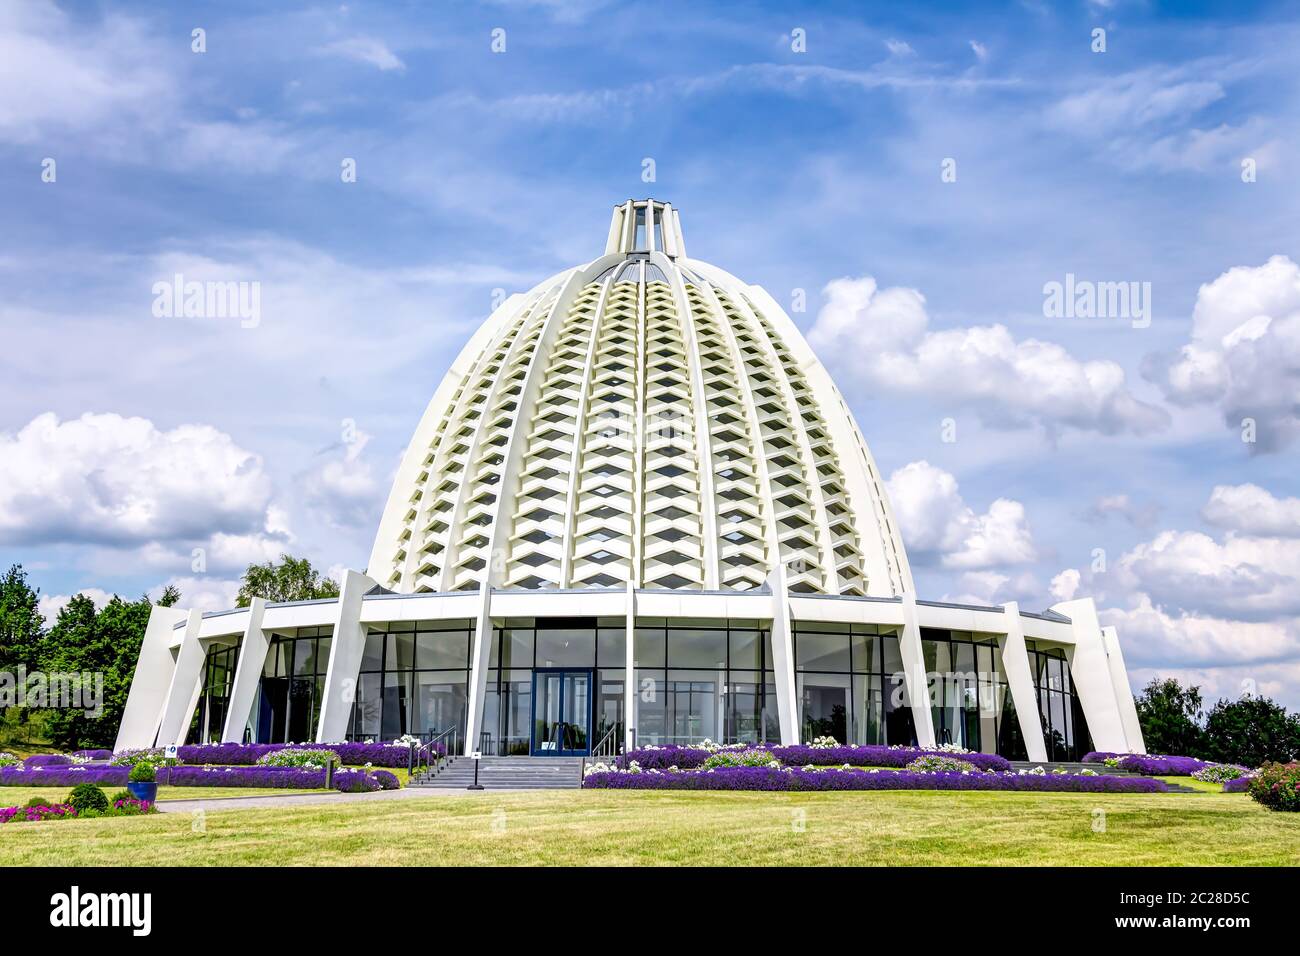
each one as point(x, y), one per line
point(214, 804)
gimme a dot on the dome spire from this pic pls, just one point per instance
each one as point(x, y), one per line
point(646, 225)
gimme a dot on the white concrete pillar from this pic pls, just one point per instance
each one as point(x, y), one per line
point(183, 690)
point(630, 695)
point(480, 657)
point(1090, 672)
point(153, 676)
point(787, 704)
point(914, 675)
point(346, 650)
point(1128, 714)
point(248, 674)
point(1020, 682)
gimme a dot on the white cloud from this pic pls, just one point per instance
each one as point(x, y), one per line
point(882, 334)
point(1244, 353)
point(106, 479)
point(1151, 634)
point(1065, 585)
point(202, 593)
point(1123, 506)
point(899, 47)
point(343, 490)
point(363, 49)
point(1253, 510)
point(979, 49)
point(938, 524)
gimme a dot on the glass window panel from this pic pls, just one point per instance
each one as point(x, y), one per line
point(696, 648)
point(611, 644)
point(694, 706)
point(372, 658)
point(651, 727)
point(440, 700)
point(323, 654)
point(441, 649)
point(304, 657)
point(609, 702)
point(821, 652)
point(650, 647)
point(517, 646)
point(868, 711)
point(566, 647)
point(825, 703)
point(746, 649)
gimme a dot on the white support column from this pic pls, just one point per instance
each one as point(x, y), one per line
point(630, 695)
point(153, 676)
point(181, 693)
point(1128, 714)
point(248, 673)
point(346, 649)
point(1020, 681)
point(481, 654)
point(1090, 673)
point(914, 675)
point(787, 708)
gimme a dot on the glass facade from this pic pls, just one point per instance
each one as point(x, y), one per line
point(414, 679)
point(698, 679)
point(292, 686)
point(970, 704)
point(218, 681)
point(850, 685)
point(1065, 732)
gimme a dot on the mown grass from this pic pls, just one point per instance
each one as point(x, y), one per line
point(684, 829)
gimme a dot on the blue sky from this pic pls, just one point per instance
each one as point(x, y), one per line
point(128, 440)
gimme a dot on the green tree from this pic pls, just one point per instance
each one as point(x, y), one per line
point(1170, 717)
point(293, 579)
point(22, 629)
point(1250, 731)
point(104, 643)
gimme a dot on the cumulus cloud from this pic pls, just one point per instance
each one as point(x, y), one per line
point(938, 525)
point(1121, 505)
point(1253, 510)
point(201, 592)
point(883, 334)
point(106, 479)
point(51, 604)
point(1152, 634)
point(1244, 353)
point(343, 489)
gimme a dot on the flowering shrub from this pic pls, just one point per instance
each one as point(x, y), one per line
point(59, 811)
point(154, 755)
point(1220, 773)
point(1277, 786)
point(753, 757)
point(824, 743)
point(92, 754)
point(387, 780)
point(9, 760)
point(952, 749)
point(285, 778)
point(1241, 784)
point(769, 778)
point(143, 772)
point(311, 759)
point(47, 760)
point(933, 763)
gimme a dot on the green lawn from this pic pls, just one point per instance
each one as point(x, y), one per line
point(17, 796)
point(682, 828)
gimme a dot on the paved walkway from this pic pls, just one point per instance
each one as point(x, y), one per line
point(213, 804)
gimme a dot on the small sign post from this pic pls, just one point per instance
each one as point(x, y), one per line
point(478, 754)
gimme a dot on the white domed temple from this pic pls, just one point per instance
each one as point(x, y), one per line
point(636, 511)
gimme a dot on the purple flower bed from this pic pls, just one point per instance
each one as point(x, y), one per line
point(1240, 785)
point(1162, 766)
point(766, 778)
point(47, 760)
point(377, 755)
point(63, 776)
point(94, 754)
point(287, 778)
point(800, 755)
point(689, 758)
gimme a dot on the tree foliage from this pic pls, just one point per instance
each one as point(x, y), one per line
point(1170, 716)
point(22, 629)
point(1250, 731)
point(293, 579)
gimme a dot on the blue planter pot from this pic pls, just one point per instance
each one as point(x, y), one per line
point(143, 791)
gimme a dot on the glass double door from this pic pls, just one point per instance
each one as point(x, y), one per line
point(562, 706)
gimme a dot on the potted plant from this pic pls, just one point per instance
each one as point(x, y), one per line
point(142, 781)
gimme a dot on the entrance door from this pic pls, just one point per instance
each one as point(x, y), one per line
point(561, 713)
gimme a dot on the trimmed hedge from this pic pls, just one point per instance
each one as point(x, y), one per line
point(798, 755)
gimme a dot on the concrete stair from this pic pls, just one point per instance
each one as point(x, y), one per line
point(506, 773)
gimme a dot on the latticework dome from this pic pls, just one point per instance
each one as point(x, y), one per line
point(643, 418)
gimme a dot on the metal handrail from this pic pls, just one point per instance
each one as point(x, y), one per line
point(428, 755)
point(607, 746)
